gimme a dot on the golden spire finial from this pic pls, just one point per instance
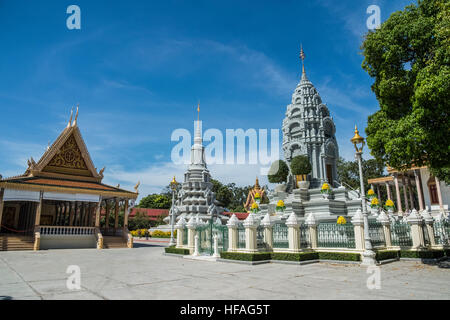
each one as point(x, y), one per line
point(70, 120)
point(257, 184)
point(76, 116)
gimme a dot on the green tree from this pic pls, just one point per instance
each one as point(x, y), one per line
point(300, 165)
point(139, 221)
point(409, 58)
point(278, 172)
point(348, 172)
point(156, 201)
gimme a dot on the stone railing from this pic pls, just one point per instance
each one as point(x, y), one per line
point(416, 232)
point(66, 231)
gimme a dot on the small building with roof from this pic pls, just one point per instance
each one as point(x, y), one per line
point(58, 201)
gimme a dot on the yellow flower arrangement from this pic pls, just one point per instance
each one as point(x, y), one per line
point(257, 195)
point(374, 203)
point(280, 205)
point(326, 189)
point(341, 220)
point(255, 207)
point(371, 192)
point(389, 205)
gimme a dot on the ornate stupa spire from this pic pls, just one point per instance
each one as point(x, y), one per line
point(302, 57)
point(197, 150)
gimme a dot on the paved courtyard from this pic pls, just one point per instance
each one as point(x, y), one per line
point(144, 273)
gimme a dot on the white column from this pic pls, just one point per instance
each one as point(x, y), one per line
point(397, 193)
point(250, 224)
point(358, 225)
point(405, 196)
point(429, 225)
point(233, 225)
point(191, 234)
point(180, 231)
point(438, 189)
point(97, 213)
point(388, 190)
point(386, 223)
point(312, 226)
point(416, 221)
point(39, 210)
point(293, 225)
point(268, 232)
point(419, 189)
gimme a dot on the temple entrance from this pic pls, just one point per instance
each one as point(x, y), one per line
point(329, 169)
point(18, 218)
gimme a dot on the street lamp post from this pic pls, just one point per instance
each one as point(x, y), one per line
point(368, 254)
point(173, 186)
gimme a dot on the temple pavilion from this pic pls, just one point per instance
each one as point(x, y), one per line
point(58, 201)
point(254, 193)
point(414, 188)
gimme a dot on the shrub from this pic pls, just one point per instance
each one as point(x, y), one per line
point(301, 256)
point(343, 256)
point(428, 254)
point(300, 165)
point(278, 172)
point(386, 254)
point(174, 250)
point(162, 234)
point(260, 256)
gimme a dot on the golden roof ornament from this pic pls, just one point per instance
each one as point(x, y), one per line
point(302, 56)
point(257, 184)
point(70, 120)
point(136, 187)
point(76, 117)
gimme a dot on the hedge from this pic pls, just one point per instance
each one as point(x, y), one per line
point(286, 256)
point(342, 256)
point(386, 254)
point(301, 256)
point(429, 254)
point(177, 250)
point(260, 256)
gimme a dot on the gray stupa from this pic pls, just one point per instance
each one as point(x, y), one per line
point(308, 129)
point(196, 198)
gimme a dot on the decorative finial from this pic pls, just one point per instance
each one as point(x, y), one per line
point(257, 184)
point(70, 121)
point(136, 187)
point(101, 171)
point(76, 117)
point(302, 56)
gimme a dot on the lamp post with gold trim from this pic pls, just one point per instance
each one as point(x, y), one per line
point(173, 186)
point(368, 254)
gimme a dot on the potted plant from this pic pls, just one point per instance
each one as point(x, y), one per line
point(370, 194)
point(278, 173)
point(389, 206)
point(341, 221)
point(374, 205)
point(326, 191)
point(255, 207)
point(280, 206)
point(301, 167)
point(258, 198)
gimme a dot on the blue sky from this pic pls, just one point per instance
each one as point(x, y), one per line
point(138, 68)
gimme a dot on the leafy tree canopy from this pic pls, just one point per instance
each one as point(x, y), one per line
point(278, 172)
point(300, 165)
point(156, 201)
point(348, 172)
point(409, 58)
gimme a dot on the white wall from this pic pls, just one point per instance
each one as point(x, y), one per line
point(445, 191)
